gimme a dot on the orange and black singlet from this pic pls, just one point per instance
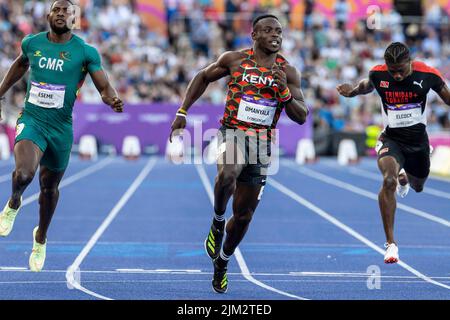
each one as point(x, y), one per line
point(252, 101)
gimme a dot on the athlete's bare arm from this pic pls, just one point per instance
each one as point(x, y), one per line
point(445, 94)
point(296, 108)
point(197, 86)
point(213, 72)
point(347, 90)
point(108, 93)
point(15, 73)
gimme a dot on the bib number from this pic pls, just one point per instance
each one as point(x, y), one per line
point(46, 95)
point(257, 110)
point(405, 115)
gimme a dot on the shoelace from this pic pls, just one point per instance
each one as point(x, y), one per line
point(387, 245)
point(10, 214)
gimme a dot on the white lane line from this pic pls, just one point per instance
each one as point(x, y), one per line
point(168, 271)
point(70, 274)
point(346, 186)
point(348, 230)
point(377, 177)
point(318, 281)
point(73, 178)
point(238, 255)
point(202, 273)
point(248, 244)
point(369, 166)
point(13, 269)
point(5, 177)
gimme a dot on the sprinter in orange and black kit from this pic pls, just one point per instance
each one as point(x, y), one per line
point(261, 85)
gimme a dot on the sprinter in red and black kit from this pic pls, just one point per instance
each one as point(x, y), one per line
point(403, 147)
point(262, 84)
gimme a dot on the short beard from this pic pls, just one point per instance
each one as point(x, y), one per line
point(59, 31)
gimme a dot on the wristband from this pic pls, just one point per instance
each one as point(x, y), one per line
point(182, 111)
point(285, 95)
point(289, 100)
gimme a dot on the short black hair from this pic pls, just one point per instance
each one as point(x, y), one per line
point(69, 1)
point(397, 52)
point(264, 16)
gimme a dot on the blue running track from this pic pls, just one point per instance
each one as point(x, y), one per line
point(135, 230)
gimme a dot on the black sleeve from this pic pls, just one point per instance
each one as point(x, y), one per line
point(436, 82)
point(371, 78)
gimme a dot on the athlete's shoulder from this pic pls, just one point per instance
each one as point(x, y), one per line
point(281, 59)
point(80, 41)
point(229, 58)
point(32, 36)
point(420, 66)
point(28, 39)
point(379, 68)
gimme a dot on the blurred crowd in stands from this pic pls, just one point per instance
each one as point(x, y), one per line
point(149, 67)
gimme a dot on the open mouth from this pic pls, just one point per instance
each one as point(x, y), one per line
point(275, 43)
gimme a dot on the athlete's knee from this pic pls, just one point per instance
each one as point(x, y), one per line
point(23, 176)
point(49, 192)
point(227, 178)
point(244, 217)
point(390, 182)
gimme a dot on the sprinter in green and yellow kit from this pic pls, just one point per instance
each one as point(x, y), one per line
point(59, 62)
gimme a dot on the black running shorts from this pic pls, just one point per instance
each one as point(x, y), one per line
point(415, 161)
point(256, 152)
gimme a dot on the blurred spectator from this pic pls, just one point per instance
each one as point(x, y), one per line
point(149, 67)
point(341, 11)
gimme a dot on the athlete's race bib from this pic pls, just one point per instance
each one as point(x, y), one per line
point(404, 115)
point(47, 95)
point(257, 110)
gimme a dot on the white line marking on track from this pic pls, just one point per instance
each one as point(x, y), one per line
point(238, 255)
point(347, 186)
point(377, 177)
point(319, 281)
point(108, 220)
point(158, 271)
point(13, 269)
point(369, 166)
point(291, 194)
point(289, 274)
point(5, 177)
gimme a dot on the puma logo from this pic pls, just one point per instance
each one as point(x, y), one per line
point(419, 84)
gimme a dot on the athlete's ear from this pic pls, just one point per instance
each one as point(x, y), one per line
point(254, 35)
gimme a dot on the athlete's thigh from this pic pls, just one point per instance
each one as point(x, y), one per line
point(246, 197)
point(390, 156)
point(57, 155)
point(388, 166)
point(417, 167)
point(417, 164)
point(56, 160)
point(230, 156)
point(27, 155)
point(30, 143)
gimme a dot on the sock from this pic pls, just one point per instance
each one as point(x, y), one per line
point(219, 220)
point(223, 259)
